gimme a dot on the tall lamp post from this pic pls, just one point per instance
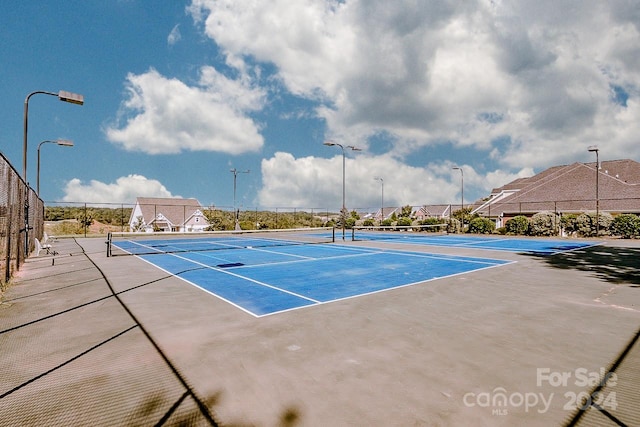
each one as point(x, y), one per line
point(64, 96)
point(461, 193)
point(594, 149)
point(378, 178)
point(236, 214)
point(62, 142)
point(344, 208)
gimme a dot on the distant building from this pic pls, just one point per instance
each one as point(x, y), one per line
point(167, 214)
point(568, 189)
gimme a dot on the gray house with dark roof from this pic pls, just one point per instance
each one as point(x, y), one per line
point(568, 189)
point(167, 214)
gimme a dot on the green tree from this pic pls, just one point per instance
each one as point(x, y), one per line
point(406, 211)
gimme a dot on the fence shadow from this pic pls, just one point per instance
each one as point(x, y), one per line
point(615, 265)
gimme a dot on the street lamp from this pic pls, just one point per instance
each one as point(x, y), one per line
point(594, 149)
point(461, 193)
point(344, 208)
point(64, 96)
point(62, 142)
point(377, 178)
point(235, 173)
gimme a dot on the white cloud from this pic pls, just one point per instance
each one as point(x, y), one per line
point(536, 73)
point(166, 116)
point(124, 190)
point(312, 182)
point(174, 36)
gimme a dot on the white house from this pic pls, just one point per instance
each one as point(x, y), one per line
point(167, 214)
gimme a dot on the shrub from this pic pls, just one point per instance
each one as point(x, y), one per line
point(481, 226)
point(586, 223)
point(626, 226)
point(543, 224)
point(454, 226)
point(350, 222)
point(431, 221)
point(404, 221)
point(518, 225)
point(568, 223)
point(387, 222)
point(368, 223)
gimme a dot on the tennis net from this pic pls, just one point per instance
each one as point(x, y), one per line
point(396, 231)
point(143, 243)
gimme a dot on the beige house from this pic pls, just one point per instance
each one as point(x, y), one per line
point(568, 189)
point(167, 214)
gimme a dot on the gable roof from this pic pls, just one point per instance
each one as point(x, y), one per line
point(570, 188)
point(175, 211)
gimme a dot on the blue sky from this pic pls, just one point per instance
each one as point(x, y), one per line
point(177, 93)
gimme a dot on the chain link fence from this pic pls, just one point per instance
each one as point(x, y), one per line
point(21, 220)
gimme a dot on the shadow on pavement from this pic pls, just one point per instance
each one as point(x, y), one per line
point(615, 265)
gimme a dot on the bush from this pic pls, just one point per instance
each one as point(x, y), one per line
point(481, 226)
point(543, 224)
point(569, 223)
point(404, 221)
point(454, 226)
point(387, 223)
point(432, 221)
point(350, 222)
point(586, 224)
point(626, 226)
point(518, 225)
point(368, 223)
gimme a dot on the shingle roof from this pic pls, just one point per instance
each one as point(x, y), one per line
point(572, 188)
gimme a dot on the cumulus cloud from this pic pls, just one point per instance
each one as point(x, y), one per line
point(312, 182)
point(124, 190)
point(539, 74)
point(166, 116)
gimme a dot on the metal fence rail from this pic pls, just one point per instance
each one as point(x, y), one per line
point(18, 202)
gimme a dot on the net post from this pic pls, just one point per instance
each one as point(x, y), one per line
point(353, 234)
point(333, 234)
point(108, 242)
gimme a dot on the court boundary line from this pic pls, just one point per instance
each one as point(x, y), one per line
point(406, 285)
point(468, 245)
point(366, 251)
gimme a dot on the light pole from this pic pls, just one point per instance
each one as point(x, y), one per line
point(461, 193)
point(64, 96)
point(62, 142)
point(594, 149)
point(378, 178)
point(344, 207)
point(235, 211)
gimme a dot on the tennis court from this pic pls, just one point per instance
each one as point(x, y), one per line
point(118, 341)
point(268, 276)
point(507, 244)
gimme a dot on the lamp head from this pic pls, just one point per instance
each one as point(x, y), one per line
point(73, 98)
point(593, 148)
point(65, 142)
point(329, 143)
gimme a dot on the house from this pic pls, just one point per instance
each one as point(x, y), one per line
point(432, 211)
point(568, 189)
point(167, 214)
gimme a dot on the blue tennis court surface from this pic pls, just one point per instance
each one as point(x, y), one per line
point(509, 244)
point(264, 281)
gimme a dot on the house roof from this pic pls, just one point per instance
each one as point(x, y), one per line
point(570, 188)
point(175, 210)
